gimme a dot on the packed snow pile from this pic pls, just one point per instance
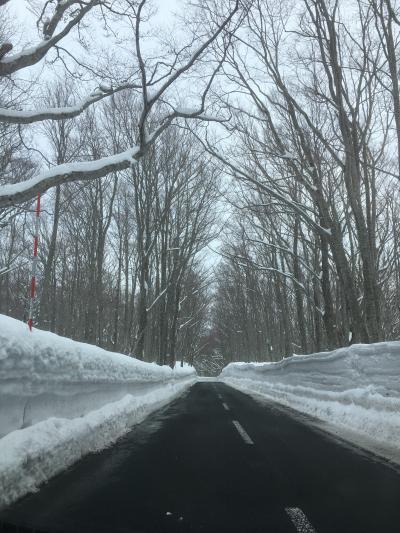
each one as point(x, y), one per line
point(61, 399)
point(42, 356)
point(355, 388)
point(31, 456)
point(44, 375)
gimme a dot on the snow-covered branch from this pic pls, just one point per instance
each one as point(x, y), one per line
point(86, 170)
point(162, 293)
point(12, 116)
point(146, 135)
point(150, 99)
point(254, 180)
point(285, 250)
point(286, 275)
point(32, 55)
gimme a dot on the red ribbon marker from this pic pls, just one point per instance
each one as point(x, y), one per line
point(34, 262)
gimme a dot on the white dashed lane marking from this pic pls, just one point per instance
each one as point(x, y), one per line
point(242, 432)
point(226, 407)
point(299, 520)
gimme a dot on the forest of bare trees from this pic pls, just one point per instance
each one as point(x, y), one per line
point(229, 187)
point(312, 257)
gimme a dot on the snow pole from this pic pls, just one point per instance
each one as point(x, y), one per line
point(34, 262)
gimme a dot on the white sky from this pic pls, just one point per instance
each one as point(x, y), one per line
point(20, 10)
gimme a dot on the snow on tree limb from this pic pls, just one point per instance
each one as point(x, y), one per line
point(149, 100)
point(84, 170)
point(16, 193)
point(32, 55)
point(238, 171)
point(23, 191)
point(12, 116)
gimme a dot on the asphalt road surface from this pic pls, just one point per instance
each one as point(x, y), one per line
point(216, 460)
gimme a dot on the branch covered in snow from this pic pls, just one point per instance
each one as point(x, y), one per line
point(236, 170)
point(162, 293)
point(12, 116)
point(86, 170)
point(23, 191)
point(32, 55)
point(149, 100)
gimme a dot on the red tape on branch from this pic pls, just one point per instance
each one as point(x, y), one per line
point(34, 263)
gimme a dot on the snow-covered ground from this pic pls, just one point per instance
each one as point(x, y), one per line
point(354, 390)
point(61, 399)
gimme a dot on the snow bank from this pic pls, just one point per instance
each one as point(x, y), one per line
point(31, 456)
point(356, 388)
point(44, 375)
point(61, 399)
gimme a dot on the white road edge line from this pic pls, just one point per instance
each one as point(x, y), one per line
point(299, 520)
point(226, 407)
point(242, 432)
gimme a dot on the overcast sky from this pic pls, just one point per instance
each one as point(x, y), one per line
point(20, 10)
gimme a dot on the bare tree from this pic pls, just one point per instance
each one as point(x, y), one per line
point(154, 81)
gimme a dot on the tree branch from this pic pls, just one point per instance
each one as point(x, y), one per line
point(31, 56)
point(12, 116)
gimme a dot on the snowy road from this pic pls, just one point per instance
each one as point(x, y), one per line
point(216, 460)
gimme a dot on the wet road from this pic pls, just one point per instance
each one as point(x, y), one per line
point(216, 460)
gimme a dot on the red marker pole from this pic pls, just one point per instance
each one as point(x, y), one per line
point(34, 262)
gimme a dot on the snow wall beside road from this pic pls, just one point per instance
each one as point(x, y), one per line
point(356, 388)
point(43, 375)
point(61, 399)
